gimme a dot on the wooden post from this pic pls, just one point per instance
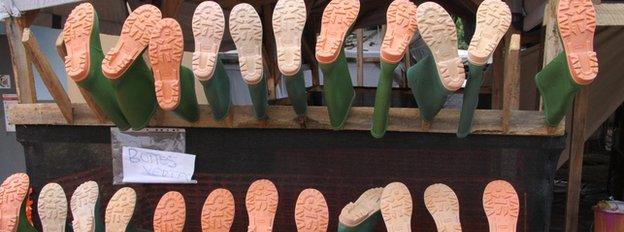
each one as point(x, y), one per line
point(269, 49)
point(47, 75)
point(170, 8)
point(22, 68)
point(511, 88)
point(408, 64)
point(359, 34)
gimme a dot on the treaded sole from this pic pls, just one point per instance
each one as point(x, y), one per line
point(165, 53)
point(442, 204)
point(134, 37)
point(577, 24)
point(493, 21)
point(401, 26)
point(438, 31)
point(289, 18)
point(52, 208)
point(170, 213)
point(77, 39)
point(261, 202)
point(218, 211)
point(338, 17)
point(501, 205)
point(208, 27)
point(396, 207)
point(365, 206)
point(311, 213)
point(12, 194)
point(246, 31)
point(120, 209)
point(82, 204)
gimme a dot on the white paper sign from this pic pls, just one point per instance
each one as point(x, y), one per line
point(153, 166)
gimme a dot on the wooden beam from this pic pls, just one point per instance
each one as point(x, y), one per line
point(47, 74)
point(22, 68)
point(497, 77)
point(511, 89)
point(552, 44)
point(522, 123)
point(359, 34)
point(170, 8)
point(62, 52)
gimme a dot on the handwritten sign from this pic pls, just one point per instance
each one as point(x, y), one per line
point(153, 166)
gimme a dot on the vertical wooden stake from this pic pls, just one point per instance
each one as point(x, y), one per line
point(359, 33)
point(511, 78)
point(577, 147)
point(22, 67)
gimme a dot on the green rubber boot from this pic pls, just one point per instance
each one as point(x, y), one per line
point(25, 224)
point(471, 99)
point(382, 100)
point(295, 86)
point(428, 91)
point(363, 214)
point(338, 92)
point(94, 82)
point(557, 88)
point(259, 99)
point(217, 91)
point(135, 93)
point(188, 108)
point(367, 225)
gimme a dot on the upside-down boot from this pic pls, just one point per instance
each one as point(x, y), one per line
point(125, 68)
point(401, 18)
point(208, 28)
point(120, 210)
point(85, 208)
point(246, 31)
point(13, 203)
point(493, 20)
point(577, 66)
point(433, 78)
point(83, 63)
point(52, 208)
point(338, 92)
point(170, 213)
point(363, 214)
point(174, 84)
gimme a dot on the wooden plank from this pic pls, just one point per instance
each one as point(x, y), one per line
point(522, 123)
point(497, 77)
point(22, 68)
point(610, 14)
point(511, 97)
point(579, 119)
point(62, 52)
point(552, 44)
point(48, 76)
point(359, 34)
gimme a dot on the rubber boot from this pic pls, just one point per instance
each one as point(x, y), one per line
point(188, 108)
point(428, 91)
point(120, 211)
point(84, 17)
point(363, 214)
point(382, 100)
point(366, 226)
point(217, 91)
point(295, 86)
point(557, 89)
point(471, 99)
point(259, 99)
point(338, 92)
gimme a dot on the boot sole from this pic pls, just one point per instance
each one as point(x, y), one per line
point(82, 204)
point(438, 31)
point(365, 206)
point(493, 21)
point(501, 205)
point(120, 209)
point(289, 18)
point(52, 208)
point(165, 53)
point(208, 27)
point(396, 207)
point(577, 24)
point(246, 31)
point(12, 194)
point(442, 204)
point(77, 39)
point(311, 213)
point(170, 213)
point(218, 211)
point(338, 17)
point(401, 26)
point(135, 36)
point(261, 202)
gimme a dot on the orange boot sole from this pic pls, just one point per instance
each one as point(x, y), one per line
point(208, 27)
point(12, 194)
point(246, 31)
point(401, 26)
point(493, 20)
point(134, 38)
point(442, 204)
point(165, 53)
point(577, 24)
point(396, 207)
point(311, 213)
point(170, 214)
point(218, 211)
point(338, 17)
point(82, 205)
point(52, 208)
point(501, 205)
point(77, 36)
point(289, 18)
point(120, 209)
point(261, 202)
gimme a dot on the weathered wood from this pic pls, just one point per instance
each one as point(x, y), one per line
point(522, 123)
point(47, 74)
point(577, 145)
point(407, 59)
point(359, 34)
point(270, 52)
point(22, 68)
point(497, 77)
point(511, 99)
point(62, 52)
point(552, 44)
point(610, 14)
